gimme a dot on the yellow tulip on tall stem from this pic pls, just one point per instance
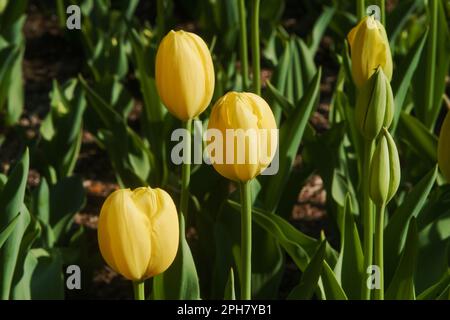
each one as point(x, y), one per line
point(251, 122)
point(185, 82)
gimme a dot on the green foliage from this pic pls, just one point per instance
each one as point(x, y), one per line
point(12, 48)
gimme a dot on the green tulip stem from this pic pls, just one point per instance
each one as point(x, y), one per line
point(243, 44)
point(382, 5)
point(255, 48)
point(246, 240)
point(379, 233)
point(429, 114)
point(367, 216)
point(160, 18)
point(139, 290)
point(360, 9)
point(185, 174)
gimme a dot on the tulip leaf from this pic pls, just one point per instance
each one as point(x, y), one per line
point(8, 55)
point(291, 133)
point(20, 287)
point(402, 285)
point(63, 208)
point(180, 281)
point(309, 68)
point(154, 114)
point(47, 281)
point(330, 286)
point(144, 54)
point(418, 137)
point(289, 198)
point(42, 278)
point(296, 249)
point(130, 156)
point(298, 245)
point(6, 231)
point(296, 76)
point(267, 269)
point(41, 202)
point(11, 202)
point(436, 289)
point(62, 128)
point(279, 77)
point(15, 93)
point(285, 105)
point(41, 209)
point(438, 205)
point(12, 12)
point(320, 27)
point(396, 230)
point(229, 288)
point(430, 83)
point(403, 77)
point(398, 18)
point(109, 117)
point(434, 252)
point(351, 257)
point(308, 283)
point(445, 295)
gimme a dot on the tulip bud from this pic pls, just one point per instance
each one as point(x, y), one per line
point(184, 74)
point(444, 148)
point(370, 49)
point(374, 105)
point(384, 170)
point(138, 232)
point(249, 135)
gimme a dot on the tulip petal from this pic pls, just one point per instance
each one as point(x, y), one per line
point(184, 74)
point(123, 235)
point(250, 121)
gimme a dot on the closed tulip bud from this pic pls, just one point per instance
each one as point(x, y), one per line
point(138, 232)
point(184, 74)
point(250, 136)
point(369, 47)
point(374, 105)
point(384, 170)
point(444, 148)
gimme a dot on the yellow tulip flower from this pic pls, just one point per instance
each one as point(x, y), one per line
point(247, 126)
point(184, 74)
point(138, 232)
point(369, 49)
point(444, 148)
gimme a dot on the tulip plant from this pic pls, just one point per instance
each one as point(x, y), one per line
point(12, 48)
point(213, 119)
